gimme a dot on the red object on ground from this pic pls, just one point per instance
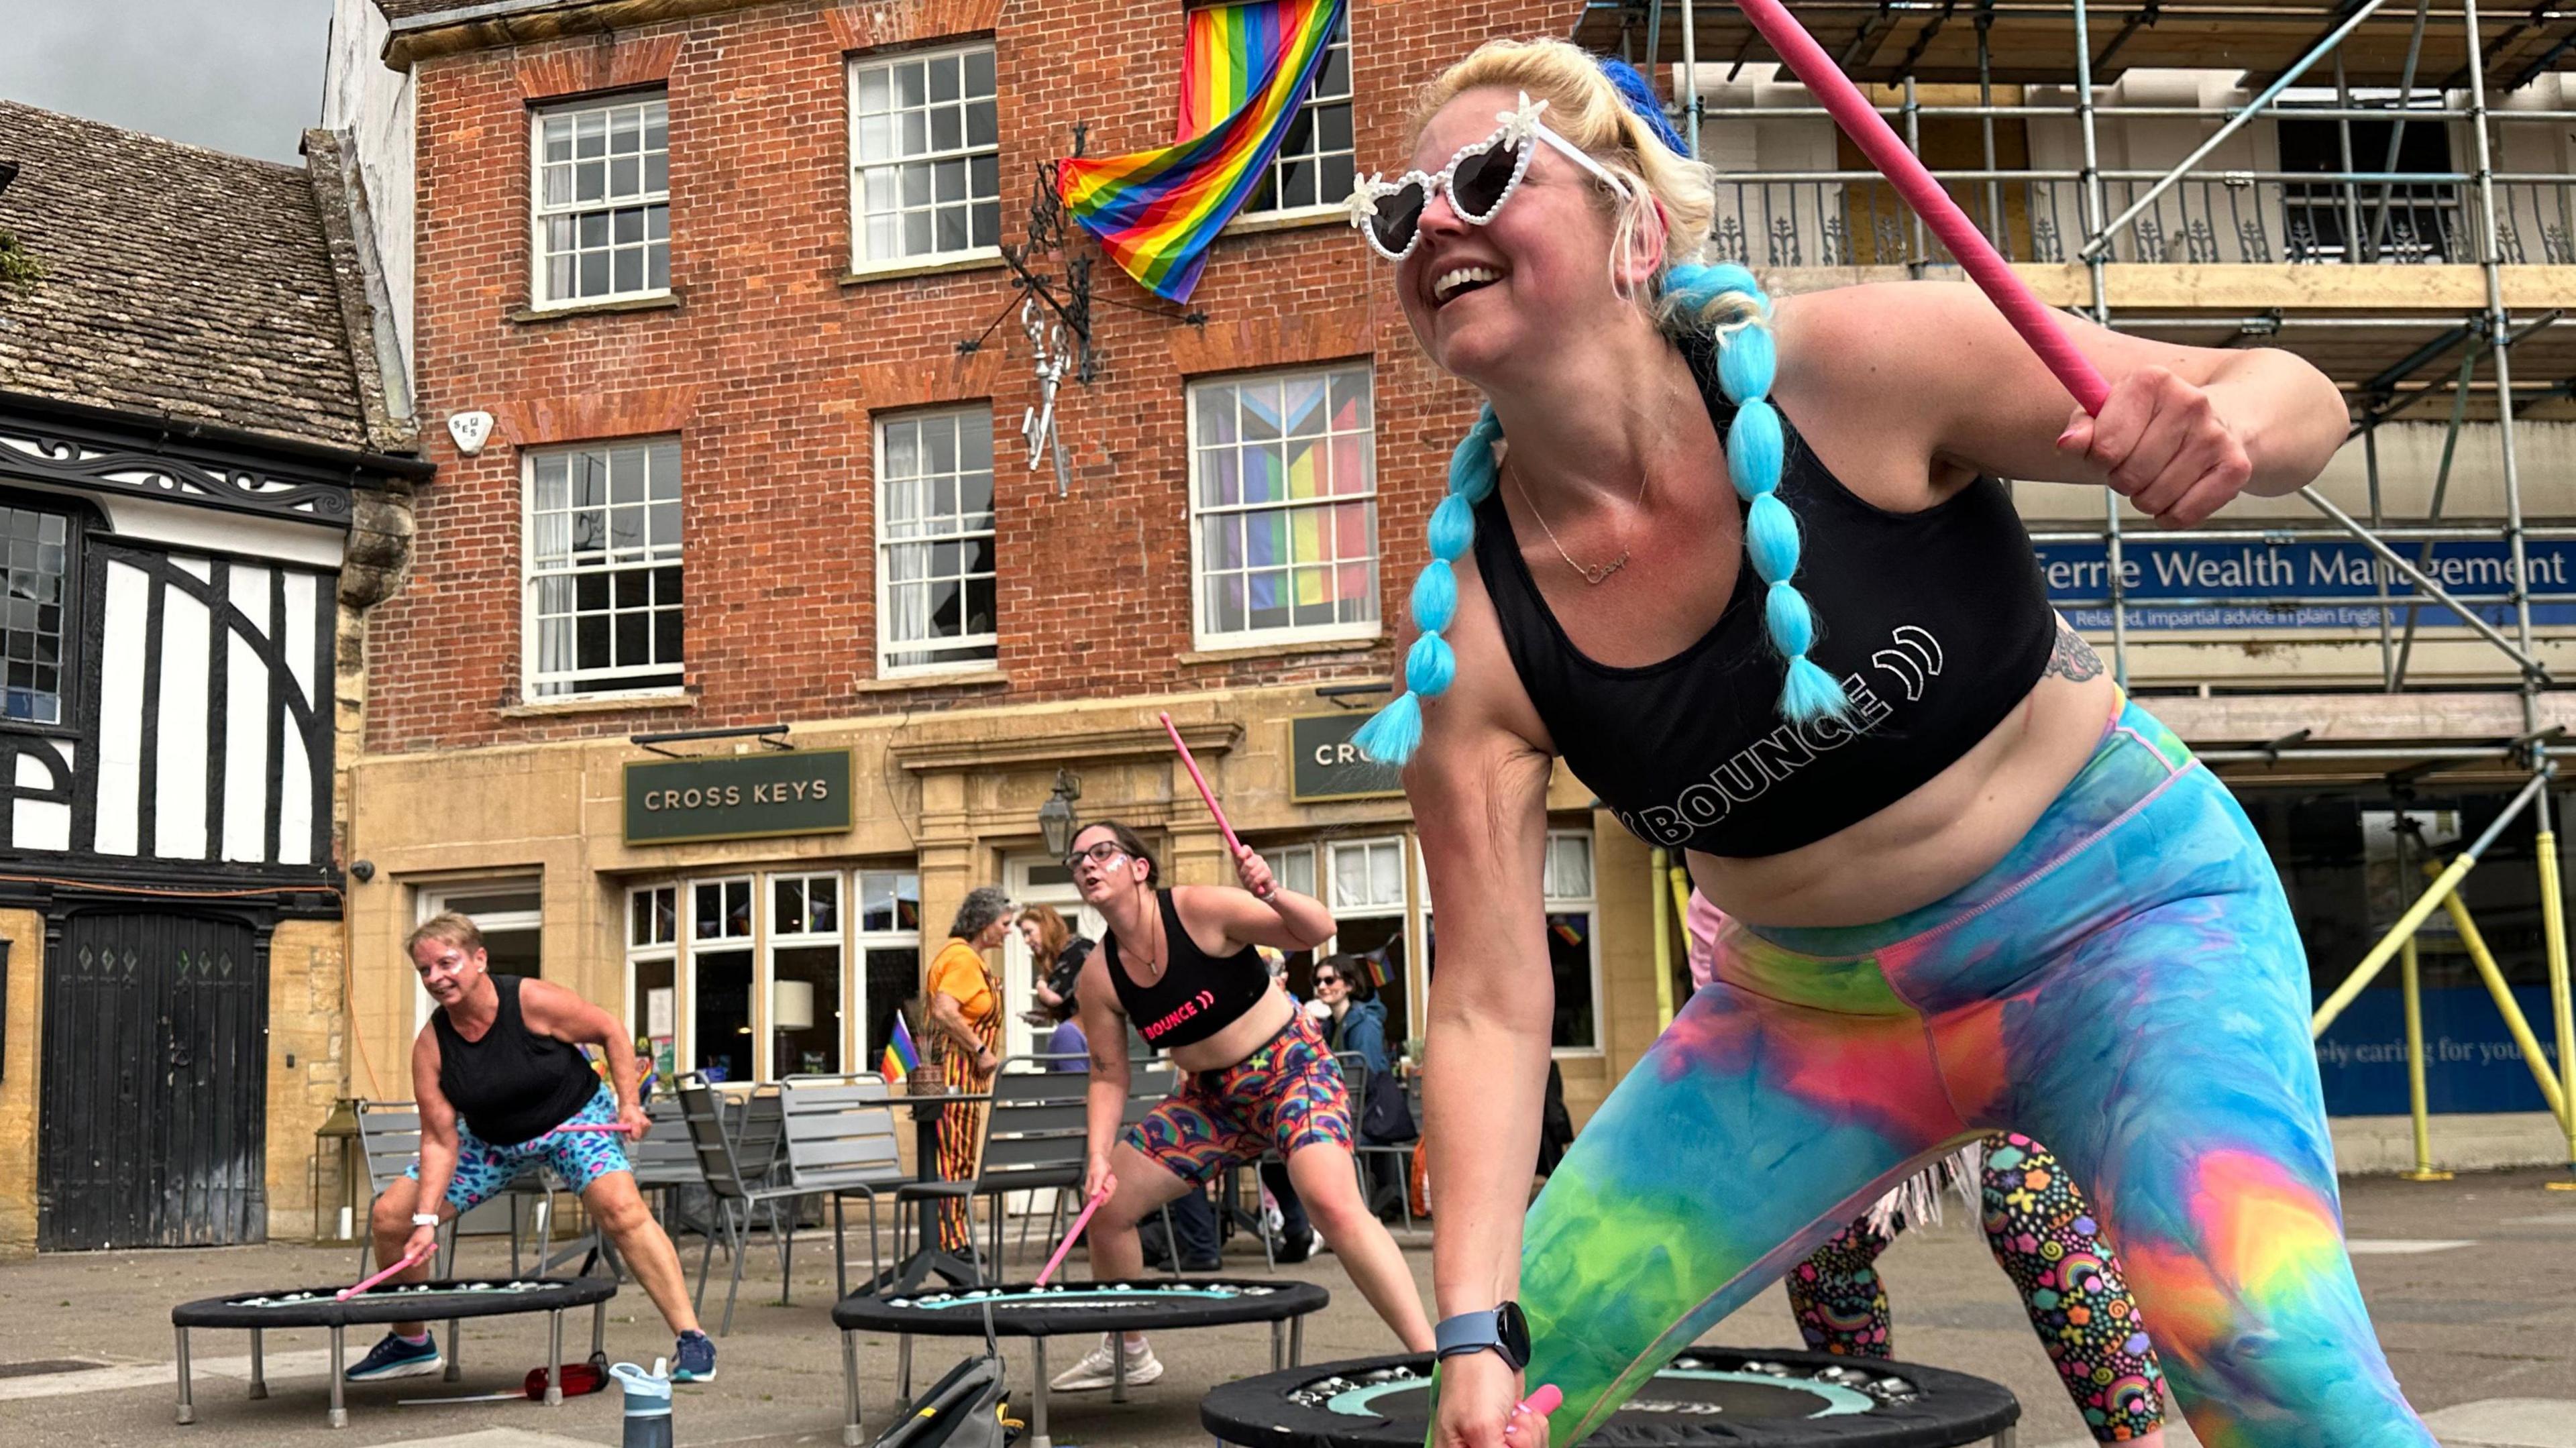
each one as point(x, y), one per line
point(2029, 316)
point(578, 1378)
point(1107, 1185)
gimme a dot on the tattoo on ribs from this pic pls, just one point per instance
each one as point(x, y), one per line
point(2073, 659)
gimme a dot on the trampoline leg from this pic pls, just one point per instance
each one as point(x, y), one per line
point(599, 1329)
point(554, 1358)
point(903, 1370)
point(2005, 1438)
point(1296, 1342)
point(850, 1434)
point(258, 1365)
point(1038, 1420)
point(1278, 1345)
point(339, 1365)
point(455, 1370)
point(1118, 1349)
point(187, 1408)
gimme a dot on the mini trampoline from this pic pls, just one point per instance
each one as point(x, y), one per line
point(1070, 1309)
point(1707, 1396)
point(290, 1307)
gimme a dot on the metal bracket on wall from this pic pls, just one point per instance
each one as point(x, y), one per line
point(772, 735)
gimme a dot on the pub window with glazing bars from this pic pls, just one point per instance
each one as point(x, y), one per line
point(925, 147)
point(38, 622)
point(1283, 489)
point(1313, 167)
point(935, 571)
point(603, 570)
point(603, 201)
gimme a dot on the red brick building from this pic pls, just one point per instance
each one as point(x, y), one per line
point(726, 278)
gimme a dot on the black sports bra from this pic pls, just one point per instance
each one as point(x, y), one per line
point(1937, 622)
point(1197, 995)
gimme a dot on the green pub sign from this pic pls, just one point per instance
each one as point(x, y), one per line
point(738, 797)
point(1327, 765)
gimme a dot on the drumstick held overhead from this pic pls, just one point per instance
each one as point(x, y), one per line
point(409, 1258)
point(1233, 846)
point(1107, 1185)
point(2029, 316)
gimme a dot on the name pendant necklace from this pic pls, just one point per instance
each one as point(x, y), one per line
point(1595, 575)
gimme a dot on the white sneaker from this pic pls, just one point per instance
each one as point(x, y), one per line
point(1097, 1371)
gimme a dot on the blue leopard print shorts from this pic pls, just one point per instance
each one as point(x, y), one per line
point(1288, 1095)
point(484, 1171)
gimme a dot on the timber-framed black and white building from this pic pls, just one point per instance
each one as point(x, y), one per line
point(204, 480)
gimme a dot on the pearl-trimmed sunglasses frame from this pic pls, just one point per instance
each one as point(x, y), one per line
point(1515, 128)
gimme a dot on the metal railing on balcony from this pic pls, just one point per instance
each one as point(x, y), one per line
point(1838, 219)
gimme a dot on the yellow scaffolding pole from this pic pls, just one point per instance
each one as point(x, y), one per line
point(2410, 975)
point(2553, 931)
point(2443, 884)
point(1663, 940)
point(2506, 1005)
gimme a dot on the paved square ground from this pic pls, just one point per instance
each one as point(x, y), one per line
point(2472, 1282)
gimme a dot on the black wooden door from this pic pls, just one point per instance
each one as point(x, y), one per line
point(155, 1092)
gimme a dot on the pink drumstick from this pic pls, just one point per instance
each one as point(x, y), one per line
point(1232, 844)
point(1107, 1185)
point(2029, 316)
point(346, 1293)
point(1545, 1400)
point(601, 1127)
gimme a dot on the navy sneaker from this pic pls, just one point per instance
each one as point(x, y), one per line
point(395, 1358)
point(693, 1359)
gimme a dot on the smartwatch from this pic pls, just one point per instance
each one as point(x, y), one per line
point(1503, 1329)
point(424, 1219)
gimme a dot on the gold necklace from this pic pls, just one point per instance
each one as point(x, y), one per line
point(1591, 575)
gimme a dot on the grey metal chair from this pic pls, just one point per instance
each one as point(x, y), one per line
point(1355, 1071)
point(737, 1192)
point(1034, 1139)
point(841, 1140)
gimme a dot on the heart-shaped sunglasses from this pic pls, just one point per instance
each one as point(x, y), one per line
point(1479, 179)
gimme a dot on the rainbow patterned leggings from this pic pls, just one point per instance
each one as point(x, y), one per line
point(2126, 985)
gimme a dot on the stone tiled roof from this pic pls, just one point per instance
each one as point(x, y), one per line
point(176, 280)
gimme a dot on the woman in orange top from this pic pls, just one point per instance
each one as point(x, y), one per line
point(965, 1023)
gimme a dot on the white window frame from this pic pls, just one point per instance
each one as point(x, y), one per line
point(1202, 637)
point(539, 687)
point(855, 960)
point(431, 900)
point(1326, 204)
point(691, 943)
point(861, 261)
point(1551, 903)
point(654, 952)
point(540, 294)
point(774, 939)
point(888, 646)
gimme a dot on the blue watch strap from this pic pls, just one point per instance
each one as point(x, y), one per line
point(1467, 1332)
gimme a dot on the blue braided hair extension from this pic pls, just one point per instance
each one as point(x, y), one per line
point(1391, 736)
point(1726, 301)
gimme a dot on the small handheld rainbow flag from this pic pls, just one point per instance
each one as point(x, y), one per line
point(901, 1060)
point(1246, 71)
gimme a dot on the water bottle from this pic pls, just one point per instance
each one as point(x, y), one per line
point(648, 1404)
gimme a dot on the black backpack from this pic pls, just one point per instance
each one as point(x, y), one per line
point(968, 1407)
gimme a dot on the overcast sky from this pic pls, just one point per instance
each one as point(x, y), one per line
point(237, 75)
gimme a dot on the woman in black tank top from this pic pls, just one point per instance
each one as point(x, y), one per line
point(1752, 574)
point(1180, 966)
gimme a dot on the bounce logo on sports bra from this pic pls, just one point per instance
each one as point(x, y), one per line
point(1910, 662)
point(1184, 1011)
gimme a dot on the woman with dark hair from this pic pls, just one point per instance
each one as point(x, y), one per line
point(965, 1022)
point(1753, 573)
point(1056, 955)
point(1181, 964)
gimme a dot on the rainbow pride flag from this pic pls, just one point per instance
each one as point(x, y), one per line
point(1244, 72)
point(901, 1060)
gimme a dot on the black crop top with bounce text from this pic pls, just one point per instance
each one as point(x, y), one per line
point(1197, 995)
point(1937, 622)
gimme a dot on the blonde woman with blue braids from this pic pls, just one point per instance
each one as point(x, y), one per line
point(1746, 565)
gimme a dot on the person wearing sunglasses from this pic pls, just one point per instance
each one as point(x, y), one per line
point(1181, 966)
point(1750, 571)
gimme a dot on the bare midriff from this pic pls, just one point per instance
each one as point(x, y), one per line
point(1950, 830)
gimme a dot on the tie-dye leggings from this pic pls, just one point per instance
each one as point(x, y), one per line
point(2126, 985)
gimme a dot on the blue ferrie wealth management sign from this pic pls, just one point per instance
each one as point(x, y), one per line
point(2176, 582)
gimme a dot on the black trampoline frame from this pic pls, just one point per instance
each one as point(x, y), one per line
point(1284, 1305)
point(1994, 1423)
point(387, 1307)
